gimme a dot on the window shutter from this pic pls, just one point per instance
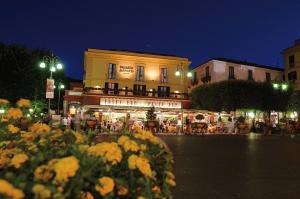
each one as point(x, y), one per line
point(106, 88)
point(144, 90)
point(116, 88)
point(167, 91)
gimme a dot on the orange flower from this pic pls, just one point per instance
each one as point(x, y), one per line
point(14, 113)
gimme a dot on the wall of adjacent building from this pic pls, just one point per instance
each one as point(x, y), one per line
point(295, 50)
point(96, 64)
point(219, 71)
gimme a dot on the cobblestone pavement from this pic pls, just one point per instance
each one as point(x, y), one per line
point(231, 167)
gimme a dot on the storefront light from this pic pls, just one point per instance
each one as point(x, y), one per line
point(151, 89)
point(177, 73)
point(97, 86)
point(176, 91)
point(189, 74)
point(30, 110)
point(251, 115)
point(2, 111)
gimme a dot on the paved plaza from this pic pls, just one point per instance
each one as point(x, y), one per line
point(229, 167)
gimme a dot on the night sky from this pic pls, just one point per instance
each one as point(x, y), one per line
point(251, 30)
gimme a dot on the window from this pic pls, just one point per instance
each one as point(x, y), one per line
point(112, 71)
point(292, 76)
point(140, 73)
point(164, 75)
point(163, 91)
point(195, 76)
point(292, 61)
point(268, 77)
point(139, 89)
point(111, 88)
point(231, 72)
point(207, 71)
point(250, 75)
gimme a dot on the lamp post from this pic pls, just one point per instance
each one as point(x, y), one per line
point(60, 87)
point(53, 63)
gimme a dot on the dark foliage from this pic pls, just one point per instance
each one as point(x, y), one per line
point(20, 75)
point(239, 94)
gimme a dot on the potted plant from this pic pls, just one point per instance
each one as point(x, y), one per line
point(151, 118)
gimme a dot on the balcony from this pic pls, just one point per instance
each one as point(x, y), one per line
point(130, 92)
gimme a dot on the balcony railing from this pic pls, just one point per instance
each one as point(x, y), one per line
point(130, 92)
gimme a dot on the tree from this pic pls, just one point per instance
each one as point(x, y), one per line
point(20, 75)
point(239, 94)
point(294, 103)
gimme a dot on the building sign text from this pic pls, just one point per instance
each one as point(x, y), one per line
point(140, 103)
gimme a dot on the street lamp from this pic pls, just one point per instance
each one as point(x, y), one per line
point(60, 87)
point(189, 74)
point(53, 63)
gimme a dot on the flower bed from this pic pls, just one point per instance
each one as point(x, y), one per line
point(37, 161)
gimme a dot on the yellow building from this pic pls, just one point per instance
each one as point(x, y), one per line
point(136, 73)
point(292, 64)
point(121, 86)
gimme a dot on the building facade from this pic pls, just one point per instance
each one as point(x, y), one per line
point(220, 69)
point(118, 85)
point(292, 64)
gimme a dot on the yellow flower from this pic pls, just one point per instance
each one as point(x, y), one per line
point(86, 195)
point(171, 182)
point(3, 101)
point(65, 168)
point(8, 190)
point(14, 113)
point(106, 185)
point(127, 144)
point(4, 120)
point(122, 191)
point(123, 139)
point(143, 147)
point(24, 103)
point(43, 173)
point(40, 191)
point(13, 129)
point(170, 175)
point(140, 163)
point(79, 138)
point(147, 136)
point(39, 128)
point(109, 151)
point(18, 160)
point(156, 189)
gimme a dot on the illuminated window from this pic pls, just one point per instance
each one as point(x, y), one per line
point(140, 73)
point(164, 75)
point(112, 71)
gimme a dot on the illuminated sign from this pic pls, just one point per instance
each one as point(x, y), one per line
point(139, 103)
point(126, 69)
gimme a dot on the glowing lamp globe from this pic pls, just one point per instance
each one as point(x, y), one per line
point(59, 66)
point(42, 65)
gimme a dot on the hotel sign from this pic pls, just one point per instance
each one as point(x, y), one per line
point(126, 69)
point(140, 103)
